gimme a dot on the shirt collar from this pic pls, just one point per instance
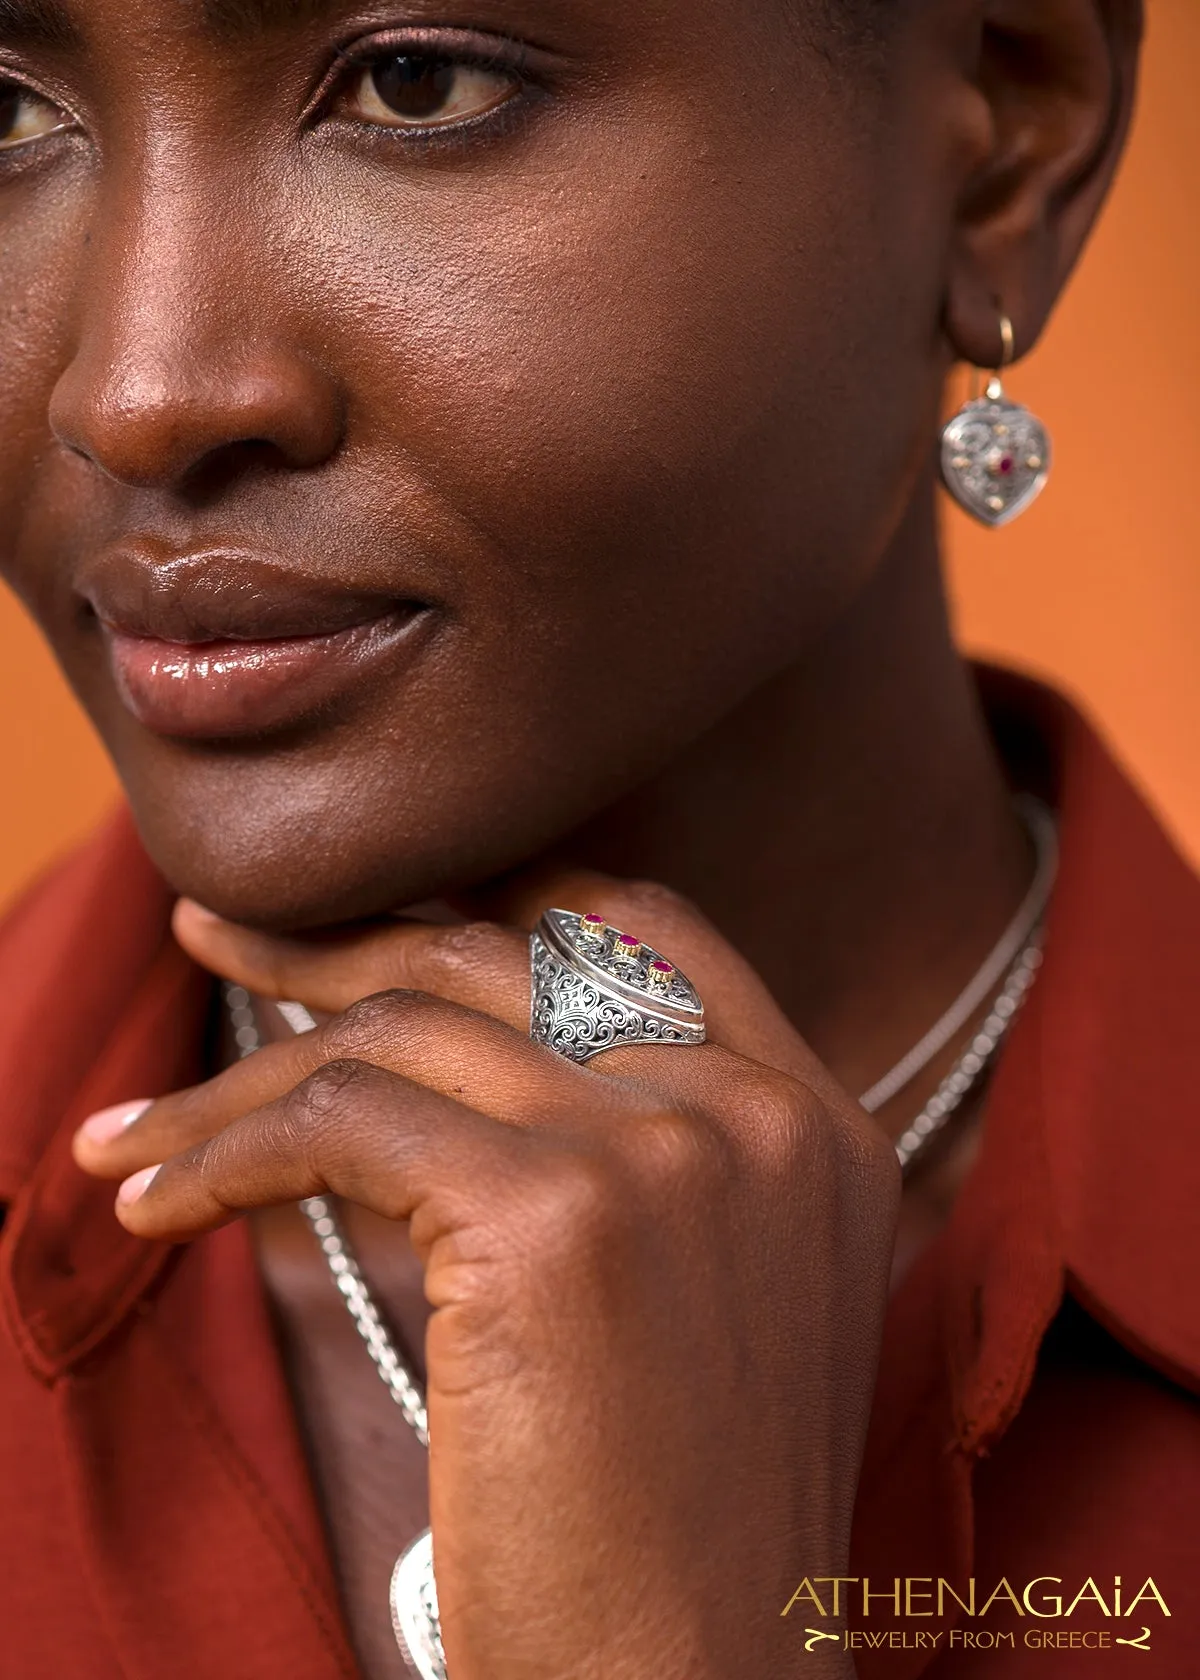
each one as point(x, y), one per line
point(1089, 1175)
point(104, 1006)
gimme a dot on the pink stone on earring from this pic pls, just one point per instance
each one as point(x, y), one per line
point(660, 972)
point(626, 948)
point(593, 926)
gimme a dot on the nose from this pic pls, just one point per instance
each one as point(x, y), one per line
point(181, 365)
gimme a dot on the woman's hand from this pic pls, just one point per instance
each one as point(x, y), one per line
point(658, 1281)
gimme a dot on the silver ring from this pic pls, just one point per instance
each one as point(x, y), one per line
point(596, 988)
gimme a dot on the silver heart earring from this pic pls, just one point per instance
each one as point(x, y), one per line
point(995, 454)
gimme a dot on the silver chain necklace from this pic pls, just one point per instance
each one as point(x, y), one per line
point(413, 1593)
point(1014, 960)
point(1017, 957)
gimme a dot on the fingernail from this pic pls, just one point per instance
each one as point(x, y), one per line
point(199, 911)
point(111, 1122)
point(135, 1188)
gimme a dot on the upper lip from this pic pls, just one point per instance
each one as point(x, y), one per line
point(221, 594)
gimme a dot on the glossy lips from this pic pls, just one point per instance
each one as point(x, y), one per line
point(226, 644)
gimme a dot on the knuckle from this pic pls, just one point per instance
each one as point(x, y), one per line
point(654, 902)
point(797, 1128)
point(871, 1155)
point(673, 1150)
point(572, 1202)
point(328, 1094)
point(468, 947)
point(274, 966)
point(218, 1165)
point(370, 1022)
point(780, 1120)
point(183, 1113)
point(790, 1129)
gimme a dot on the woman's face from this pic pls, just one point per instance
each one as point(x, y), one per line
point(418, 419)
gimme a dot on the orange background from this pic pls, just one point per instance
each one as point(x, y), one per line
point(1099, 586)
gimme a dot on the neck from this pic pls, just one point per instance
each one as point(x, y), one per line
point(848, 827)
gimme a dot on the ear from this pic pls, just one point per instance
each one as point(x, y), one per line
point(1057, 79)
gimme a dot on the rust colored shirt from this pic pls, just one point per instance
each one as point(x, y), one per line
point(1036, 1413)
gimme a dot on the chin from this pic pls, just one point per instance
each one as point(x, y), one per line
point(406, 800)
point(285, 844)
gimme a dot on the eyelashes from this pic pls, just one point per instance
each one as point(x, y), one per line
point(26, 118)
point(430, 91)
point(419, 89)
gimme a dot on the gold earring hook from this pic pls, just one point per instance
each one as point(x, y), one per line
point(1008, 352)
point(990, 384)
point(1008, 342)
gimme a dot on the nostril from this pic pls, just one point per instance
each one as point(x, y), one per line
point(171, 426)
point(208, 478)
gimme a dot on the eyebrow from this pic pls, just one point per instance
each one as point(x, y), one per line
point(49, 23)
point(235, 20)
point(37, 23)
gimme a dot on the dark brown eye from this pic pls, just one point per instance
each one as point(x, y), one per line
point(410, 90)
point(24, 117)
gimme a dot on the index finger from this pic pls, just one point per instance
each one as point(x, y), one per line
point(479, 965)
point(485, 966)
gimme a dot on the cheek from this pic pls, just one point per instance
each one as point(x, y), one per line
point(641, 381)
point(42, 234)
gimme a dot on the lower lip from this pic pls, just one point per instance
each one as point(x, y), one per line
point(223, 690)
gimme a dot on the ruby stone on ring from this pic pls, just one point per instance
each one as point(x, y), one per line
point(595, 988)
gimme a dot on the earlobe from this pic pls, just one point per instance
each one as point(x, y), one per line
point(1058, 77)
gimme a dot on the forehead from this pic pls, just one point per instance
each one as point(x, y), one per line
point(59, 23)
point(72, 24)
